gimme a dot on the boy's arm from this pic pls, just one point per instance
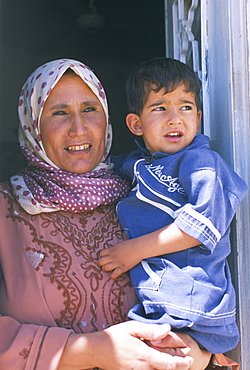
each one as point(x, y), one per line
point(129, 253)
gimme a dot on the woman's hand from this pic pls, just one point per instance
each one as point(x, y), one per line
point(121, 347)
point(180, 344)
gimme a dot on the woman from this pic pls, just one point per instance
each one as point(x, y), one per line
point(58, 307)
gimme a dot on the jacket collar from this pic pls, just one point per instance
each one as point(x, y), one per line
point(200, 141)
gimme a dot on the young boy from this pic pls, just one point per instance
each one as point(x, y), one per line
point(183, 200)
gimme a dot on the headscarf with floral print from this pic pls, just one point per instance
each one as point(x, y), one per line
point(42, 186)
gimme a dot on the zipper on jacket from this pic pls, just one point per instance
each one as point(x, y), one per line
point(149, 159)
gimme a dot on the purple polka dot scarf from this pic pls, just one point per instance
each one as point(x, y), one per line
point(42, 186)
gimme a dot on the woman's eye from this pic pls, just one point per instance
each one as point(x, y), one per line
point(89, 109)
point(59, 113)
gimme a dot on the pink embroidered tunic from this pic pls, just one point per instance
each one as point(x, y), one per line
point(50, 284)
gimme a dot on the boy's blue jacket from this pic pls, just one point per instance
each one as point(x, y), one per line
point(199, 192)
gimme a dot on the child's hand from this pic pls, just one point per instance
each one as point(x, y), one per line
point(119, 258)
point(182, 345)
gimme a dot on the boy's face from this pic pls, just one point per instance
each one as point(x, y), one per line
point(168, 122)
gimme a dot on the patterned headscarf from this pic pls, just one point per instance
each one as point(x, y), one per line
point(42, 186)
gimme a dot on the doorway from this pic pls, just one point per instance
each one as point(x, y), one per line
point(121, 35)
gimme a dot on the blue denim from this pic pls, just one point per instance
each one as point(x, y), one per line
point(192, 289)
point(168, 295)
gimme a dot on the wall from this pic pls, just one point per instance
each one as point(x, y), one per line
point(225, 56)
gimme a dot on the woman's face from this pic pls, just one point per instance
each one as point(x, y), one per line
point(73, 126)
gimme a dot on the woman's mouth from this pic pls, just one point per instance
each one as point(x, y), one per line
point(78, 147)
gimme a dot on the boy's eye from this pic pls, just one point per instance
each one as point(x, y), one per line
point(186, 107)
point(159, 109)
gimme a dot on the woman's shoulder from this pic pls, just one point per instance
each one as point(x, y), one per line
point(6, 191)
point(8, 202)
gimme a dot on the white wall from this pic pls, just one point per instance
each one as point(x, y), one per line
point(225, 57)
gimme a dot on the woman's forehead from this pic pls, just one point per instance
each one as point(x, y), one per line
point(70, 90)
point(68, 82)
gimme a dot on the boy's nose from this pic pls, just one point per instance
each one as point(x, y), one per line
point(173, 117)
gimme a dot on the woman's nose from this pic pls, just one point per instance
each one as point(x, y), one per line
point(77, 125)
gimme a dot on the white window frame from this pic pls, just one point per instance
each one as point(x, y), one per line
point(225, 61)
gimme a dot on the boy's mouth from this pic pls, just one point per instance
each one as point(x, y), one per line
point(174, 134)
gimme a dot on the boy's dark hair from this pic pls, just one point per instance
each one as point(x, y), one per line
point(156, 74)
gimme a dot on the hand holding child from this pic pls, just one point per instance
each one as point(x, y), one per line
point(182, 345)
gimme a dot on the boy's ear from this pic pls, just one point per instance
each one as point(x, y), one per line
point(199, 114)
point(134, 124)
